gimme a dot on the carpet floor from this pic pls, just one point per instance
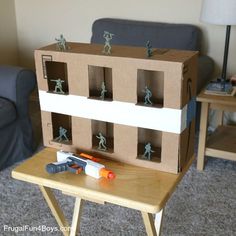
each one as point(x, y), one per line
point(204, 203)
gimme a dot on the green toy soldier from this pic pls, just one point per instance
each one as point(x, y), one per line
point(102, 142)
point(62, 134)
point(61, 43)
point(148, 95)
point(149, 49)
point(148, 151)
point(103, 91)
point(107, 47)
point(58, 85)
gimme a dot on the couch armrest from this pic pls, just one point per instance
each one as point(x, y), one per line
point(205, 71)
point(16, 84)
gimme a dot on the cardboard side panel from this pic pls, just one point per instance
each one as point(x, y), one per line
point(189, 86)
point(82, 133)
point(186, 145)
point(126, 141)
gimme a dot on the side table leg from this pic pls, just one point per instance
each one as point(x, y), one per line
point(76, 216)
point(202, 135)
point(158, 221)
point(152, 229)
point(56, 210)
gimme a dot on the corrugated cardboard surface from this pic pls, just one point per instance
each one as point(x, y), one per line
point(84, 62)
point(82, 133)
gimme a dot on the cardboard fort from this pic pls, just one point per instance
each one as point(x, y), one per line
point(122, 117)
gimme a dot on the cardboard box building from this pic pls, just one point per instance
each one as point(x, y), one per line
point(122, 117)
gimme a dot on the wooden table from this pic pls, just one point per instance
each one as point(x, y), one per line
point(222, 143)
point(138, 188)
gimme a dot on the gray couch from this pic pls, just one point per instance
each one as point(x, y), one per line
point(16, 138)
point(161, 35)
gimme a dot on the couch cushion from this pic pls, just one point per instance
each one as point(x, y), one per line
point(137, 33)
point(7, 112)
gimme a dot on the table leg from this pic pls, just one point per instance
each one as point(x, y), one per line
point(202, 135)
point(76, 216)
point(158, 221)
point(219, 117)
point(152, 229)
point(56, 210)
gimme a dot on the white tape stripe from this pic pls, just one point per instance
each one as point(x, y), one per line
point(163, 119)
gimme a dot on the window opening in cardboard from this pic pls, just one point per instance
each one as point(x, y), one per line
point(154, 137)
point(55, 71)
point(106, 129)
point(63, 121)
point(154, 80)
point(97, 76)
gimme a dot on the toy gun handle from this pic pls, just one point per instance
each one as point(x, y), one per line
point(55, 168)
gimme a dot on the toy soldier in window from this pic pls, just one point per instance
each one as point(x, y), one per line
point(58, 85)
point(62, 135)
point(102, 142)
point(148, 151)
point(148, 95)
point(103, 91)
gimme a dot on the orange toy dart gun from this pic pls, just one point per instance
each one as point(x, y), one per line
point(67, 161)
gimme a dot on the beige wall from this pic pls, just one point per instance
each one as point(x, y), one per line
point(39, 22)
point(8, 33)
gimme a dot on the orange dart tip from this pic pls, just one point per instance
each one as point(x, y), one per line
point(107, 174)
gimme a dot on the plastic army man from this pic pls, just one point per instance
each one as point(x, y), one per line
point(149, 49)
point(148, 151)
point(61, 43)
point(103, 91)
point(58, 85)
point(107, 47)
point(102, 142)
point(62, 134)
point(148, 95)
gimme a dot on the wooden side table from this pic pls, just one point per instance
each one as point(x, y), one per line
point(138, 188)
point(222, 143)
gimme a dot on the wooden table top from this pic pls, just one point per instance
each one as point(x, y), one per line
point(134, 187)
point(219, 99)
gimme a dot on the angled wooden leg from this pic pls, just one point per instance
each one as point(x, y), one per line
point(76, 216)
point(56, 210)
point(153, 229)
point(202, 135)
point(158, 221)
point(149, 224)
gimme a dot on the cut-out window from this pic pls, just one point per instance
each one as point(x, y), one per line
point(57, 77)
point(103, 139)
point(100, 82)
point(150, 88)
point(149, 144)
point(61, 128)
